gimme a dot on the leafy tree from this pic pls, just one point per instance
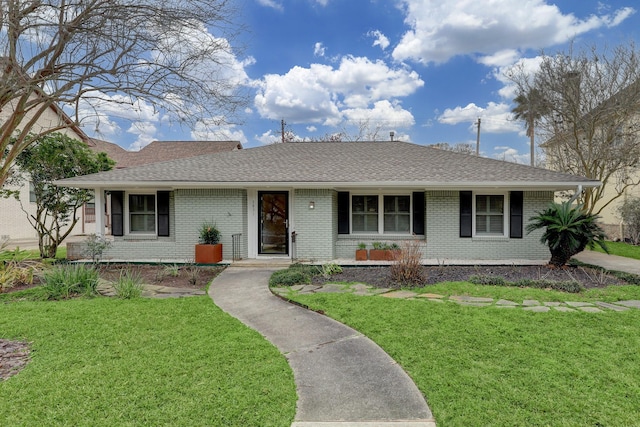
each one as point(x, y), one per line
point(456, 148)
point(629, 212)
point(530, 107)
point(589, 119)
point(568, 231)
point(52, 157)
point(175, 56)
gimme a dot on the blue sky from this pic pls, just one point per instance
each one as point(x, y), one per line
point(425, 69)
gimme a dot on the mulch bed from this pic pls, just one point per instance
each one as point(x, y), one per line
point(380, 276)
point(14, 355)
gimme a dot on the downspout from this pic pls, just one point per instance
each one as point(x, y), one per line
point(576, 194)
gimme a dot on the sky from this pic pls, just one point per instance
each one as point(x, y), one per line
point(424, 69)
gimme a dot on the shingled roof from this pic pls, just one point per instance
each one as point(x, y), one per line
point(334, 165)
point(162, 151)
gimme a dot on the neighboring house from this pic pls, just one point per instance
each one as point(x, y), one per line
point(13, 221)
point(317, 201)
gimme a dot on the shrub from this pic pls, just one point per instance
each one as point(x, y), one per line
point(128, 285)
point(406, 269)
point(289, 277)
point(209, 234)
point(485, 279)
point(629, 212)
point(95, 246)
point(329, 269)
point(70, 280)
point(13, 273)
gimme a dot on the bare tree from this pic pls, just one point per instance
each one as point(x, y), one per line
point(457, 148)
point(173, 55)
point(591, 117)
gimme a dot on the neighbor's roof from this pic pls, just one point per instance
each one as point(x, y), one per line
point(333, 165)
point(162, 151)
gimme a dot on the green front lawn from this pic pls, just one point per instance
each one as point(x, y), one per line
point(621, 249)
point(506, 367)
point(173, 362)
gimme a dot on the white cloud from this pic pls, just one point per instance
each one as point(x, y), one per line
point(510, 154)
point(527, 66)
point(322, 94)
point(380, 39)
point(272, 4)
point(211, 130)
point(495, 117)
point(146, 134)
point(319, 49)
point(383, 112)
point(441, 30)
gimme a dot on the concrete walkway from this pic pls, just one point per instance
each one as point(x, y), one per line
point(342, 377)
point(609, 262)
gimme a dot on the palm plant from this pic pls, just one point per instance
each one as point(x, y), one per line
point(568, 231)
point(530, 107)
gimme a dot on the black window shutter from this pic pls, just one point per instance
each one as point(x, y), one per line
point(466, 213)
point(163, 213)
point(117, 211)
point(418, 212)
point(343, 212)
point(516, 210)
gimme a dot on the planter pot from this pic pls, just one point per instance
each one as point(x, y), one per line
point(382, 254)
point(362, 255)
point(209, 254)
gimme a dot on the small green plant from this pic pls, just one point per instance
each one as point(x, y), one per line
point(95, 246)
point(485, 279)
point(289, 277)
point(362, 245)
point(209, 234)
point(128, 285)
point(13, 274)
point(172, 270)
point(378, 245)
point(329, 269)
point(70, 280)
point(193, 273)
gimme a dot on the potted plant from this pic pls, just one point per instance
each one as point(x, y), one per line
point(383, 251)
point(361, 252)
point(209, 248)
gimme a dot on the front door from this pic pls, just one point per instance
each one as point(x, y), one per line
point(273, 223)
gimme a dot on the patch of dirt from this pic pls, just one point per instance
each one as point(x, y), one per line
point(176, 276)
point(381, 277)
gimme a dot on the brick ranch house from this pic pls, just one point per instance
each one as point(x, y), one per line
point(331, 196)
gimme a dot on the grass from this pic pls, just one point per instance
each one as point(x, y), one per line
point(621, 249)
point(172, 362)
point(506, 367)
point(29, 254)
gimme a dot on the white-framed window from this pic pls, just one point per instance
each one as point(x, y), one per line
point(381, 214)
point(489, 214)
point(142, 213)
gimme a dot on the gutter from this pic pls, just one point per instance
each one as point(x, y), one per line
point(576, 194)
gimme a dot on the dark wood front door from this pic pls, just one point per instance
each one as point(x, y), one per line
point(273, 223)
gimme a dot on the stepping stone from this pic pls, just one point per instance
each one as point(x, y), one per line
point(506, 303)
point(611, 306)
point(590, 309)
point(564, 309)
point(578, 304)
point(400, 294)
point(297, 287)
point(537, 308)
point(434, 300)
point(505, 306)
point(309, 289)
point(464, 298)
point(431, 296)
point(333, 289)
point(360, 287)
point(378, 291)
point(530, 303)
point(630, 303)
point(552, 303)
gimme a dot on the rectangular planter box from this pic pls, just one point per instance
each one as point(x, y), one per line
point(362, 255)
point(382, 254)
point(208, 254)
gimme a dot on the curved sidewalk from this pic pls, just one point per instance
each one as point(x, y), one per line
point(342, 377)
point(610, 262)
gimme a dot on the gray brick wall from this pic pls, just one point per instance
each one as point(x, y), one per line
point(443, 241)
point(316, 228)
point(227, 208)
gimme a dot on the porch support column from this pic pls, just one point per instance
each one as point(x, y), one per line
point(98, 197)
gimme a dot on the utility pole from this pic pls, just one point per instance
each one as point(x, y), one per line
point(478, 138)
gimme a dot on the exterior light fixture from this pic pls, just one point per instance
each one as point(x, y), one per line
point(312, 205)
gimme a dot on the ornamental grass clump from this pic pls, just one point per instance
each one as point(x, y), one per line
point(407, 269)
point(68, 281)
point(129, 285)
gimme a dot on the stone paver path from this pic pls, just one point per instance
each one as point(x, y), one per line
point(527, 305)
point(152, 291)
